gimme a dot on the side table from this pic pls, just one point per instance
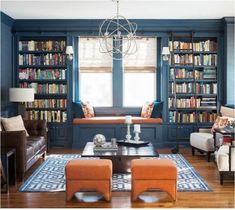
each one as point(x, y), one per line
point(223, 131)
point(8, 159)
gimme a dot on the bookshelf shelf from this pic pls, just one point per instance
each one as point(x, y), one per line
point(192, 82)
point(44, 80)
point(42, 66)
point(41, 52)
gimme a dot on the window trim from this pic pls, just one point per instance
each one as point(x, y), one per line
point(117, 83)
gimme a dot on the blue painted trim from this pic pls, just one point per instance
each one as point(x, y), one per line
point(6, 19)
point(117, 82)
point(75, 70)
point(92, 25)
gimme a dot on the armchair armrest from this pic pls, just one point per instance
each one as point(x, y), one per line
point(36, 127)
point(231, 147)
point(17, 140)
point(205, 130)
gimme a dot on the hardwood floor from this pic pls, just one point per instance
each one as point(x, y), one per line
point(221, 197)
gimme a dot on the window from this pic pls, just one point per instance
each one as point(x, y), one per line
point(139, 74)
point(95, 75)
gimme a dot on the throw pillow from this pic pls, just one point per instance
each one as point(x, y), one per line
point(220, 122)
point(157, 109)
point(14, 124)
point(87, 110)
point(147, 109)
point(77, 110)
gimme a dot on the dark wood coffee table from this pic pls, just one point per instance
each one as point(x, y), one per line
point(121, 159)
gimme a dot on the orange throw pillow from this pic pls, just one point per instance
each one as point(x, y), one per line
point(87, 110)
point(220, 122)
point(147, 109)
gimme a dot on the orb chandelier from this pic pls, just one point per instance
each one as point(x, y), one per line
point(117, 36)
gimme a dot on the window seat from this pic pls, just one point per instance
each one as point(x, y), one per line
point(115, 120)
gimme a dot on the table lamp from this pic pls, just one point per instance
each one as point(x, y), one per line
point(21, 95)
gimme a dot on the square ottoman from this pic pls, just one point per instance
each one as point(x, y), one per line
point(93, 174)
point(153, 174)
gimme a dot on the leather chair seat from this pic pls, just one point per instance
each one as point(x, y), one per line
point(36, 142)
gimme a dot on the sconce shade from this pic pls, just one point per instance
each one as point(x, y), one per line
point(21, 94)
point(69, 50)
point(165, 51)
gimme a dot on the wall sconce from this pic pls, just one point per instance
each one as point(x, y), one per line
point(165, 53)
point(69, 52)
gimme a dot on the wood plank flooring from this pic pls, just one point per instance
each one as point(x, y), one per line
point(221, 197)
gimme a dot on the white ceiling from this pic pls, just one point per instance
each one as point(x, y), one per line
point(101, 9)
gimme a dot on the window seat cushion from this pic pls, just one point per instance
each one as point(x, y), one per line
point(116, 120)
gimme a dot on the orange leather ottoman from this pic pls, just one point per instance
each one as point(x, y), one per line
point(89, 174)
point(153, 174)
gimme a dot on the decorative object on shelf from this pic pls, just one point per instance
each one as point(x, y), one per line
point(128, 121)
point(69, 52)
point(106, 147)
point(99, 140)
point(119, 28)
point(21, 95)
point(165, 53)
point(137, 131)
point(114, 142)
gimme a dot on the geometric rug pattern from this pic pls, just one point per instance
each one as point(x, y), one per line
point(50, 176)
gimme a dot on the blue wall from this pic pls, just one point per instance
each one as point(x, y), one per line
point(7, 108)
point(229, 61)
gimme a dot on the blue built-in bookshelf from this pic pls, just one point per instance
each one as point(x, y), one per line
point(41, 65)
point(192, 84)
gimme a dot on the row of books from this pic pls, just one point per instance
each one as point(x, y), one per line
point(49, 116)
point(177, 45)
point(181, 117)
point(47, 103)
point(182, 102)
point(181, 74)
point(206, 88)
point(183, 59)
point(199, 60)
point(45, 59)
point(206, 60)
point(201, 88)
point(31, 74)
point(205, 117)
point(208, 45)
point(206, 74)
point(45, 88)
point(42, 45)
point(208, 103)
point(181, 88)
point(192, 102)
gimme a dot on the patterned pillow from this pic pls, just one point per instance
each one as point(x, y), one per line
point(220, 122)
point(147, 109)
point(87, 110)
point(14, 124)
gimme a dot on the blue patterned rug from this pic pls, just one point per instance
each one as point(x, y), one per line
point(50, 177)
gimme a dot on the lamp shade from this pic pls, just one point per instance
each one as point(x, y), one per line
point(69, 50)
point(21, 94)
point(165, 51)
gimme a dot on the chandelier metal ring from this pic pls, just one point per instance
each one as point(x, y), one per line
point(122, 32)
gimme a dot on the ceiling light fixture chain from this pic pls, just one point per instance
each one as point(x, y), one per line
point(118, 29)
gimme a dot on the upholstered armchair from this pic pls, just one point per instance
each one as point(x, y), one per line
point(225, 159)
point(28, 148)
